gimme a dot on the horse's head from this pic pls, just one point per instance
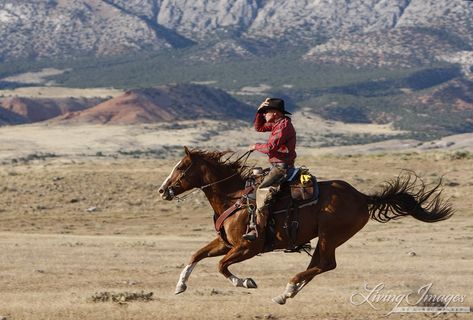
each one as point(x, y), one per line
point(186, 175)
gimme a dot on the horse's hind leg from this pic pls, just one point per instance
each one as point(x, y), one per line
point(213, 249)
point(237, 254)
point(323, 260)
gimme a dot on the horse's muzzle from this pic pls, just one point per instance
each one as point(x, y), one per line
point(166, 194)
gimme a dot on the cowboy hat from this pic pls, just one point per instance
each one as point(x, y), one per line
point(273, 104)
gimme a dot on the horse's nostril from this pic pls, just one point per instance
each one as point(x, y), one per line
point(161, 191)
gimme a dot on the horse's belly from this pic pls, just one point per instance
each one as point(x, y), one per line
point(304, 230)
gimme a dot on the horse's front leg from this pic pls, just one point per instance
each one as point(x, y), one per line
point(213, 249)
point(237, 254)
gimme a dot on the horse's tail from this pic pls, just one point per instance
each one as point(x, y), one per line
point(407, 195)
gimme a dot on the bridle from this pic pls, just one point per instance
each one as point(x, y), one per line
point(178, 183)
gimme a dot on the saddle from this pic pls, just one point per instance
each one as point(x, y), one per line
point(299, 186)
point(297, 190)
point(299, 183)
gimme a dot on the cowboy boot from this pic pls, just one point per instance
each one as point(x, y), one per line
point(263, 196)
point(252, 232)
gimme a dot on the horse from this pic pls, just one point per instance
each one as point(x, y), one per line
point(338, 215)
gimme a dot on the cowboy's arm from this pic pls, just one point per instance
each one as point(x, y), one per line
point(260, 123)
point(275, 142)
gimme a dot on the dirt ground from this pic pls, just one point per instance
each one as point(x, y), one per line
point(71, 228)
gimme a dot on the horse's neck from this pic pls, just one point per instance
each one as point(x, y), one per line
point(222, 195)
point(221, 201)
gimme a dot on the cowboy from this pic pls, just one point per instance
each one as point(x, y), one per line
point(280, 148)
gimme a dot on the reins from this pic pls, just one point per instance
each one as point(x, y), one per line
point(247, 154)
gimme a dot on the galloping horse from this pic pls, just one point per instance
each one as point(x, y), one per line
point(338, 215)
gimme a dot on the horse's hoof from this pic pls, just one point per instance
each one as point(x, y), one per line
point(279, 300)
point(250, 283)
point(180, 288)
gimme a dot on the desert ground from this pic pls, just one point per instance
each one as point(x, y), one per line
point(72, 227)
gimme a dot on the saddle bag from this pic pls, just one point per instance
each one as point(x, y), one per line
point(303, 188)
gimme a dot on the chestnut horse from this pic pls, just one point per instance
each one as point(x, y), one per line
point(338, 215)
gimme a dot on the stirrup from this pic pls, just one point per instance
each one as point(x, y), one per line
point(306, 247)
point(250, 235)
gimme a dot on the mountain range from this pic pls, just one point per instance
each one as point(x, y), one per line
point(405, 62)
point(390, 31)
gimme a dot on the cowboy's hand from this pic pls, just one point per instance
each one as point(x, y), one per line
point(265, 103)
point(252, 147)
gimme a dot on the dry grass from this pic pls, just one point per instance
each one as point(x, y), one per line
point(39, 77)
point(78, 141)
point(56, 254)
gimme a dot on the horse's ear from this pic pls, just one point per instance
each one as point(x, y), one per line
point(186, 150)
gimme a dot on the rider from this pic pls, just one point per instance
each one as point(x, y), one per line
point(280, 148)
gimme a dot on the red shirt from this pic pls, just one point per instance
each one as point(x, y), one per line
point(281, 145)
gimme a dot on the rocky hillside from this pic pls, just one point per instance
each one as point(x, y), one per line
point(439, 110)
point(20, 110)
point(148, 105)
point(9, 117)
point(59, 28)
point(162, 104)
point(403, 47)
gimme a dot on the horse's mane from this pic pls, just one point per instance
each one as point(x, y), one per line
point(217, 157)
